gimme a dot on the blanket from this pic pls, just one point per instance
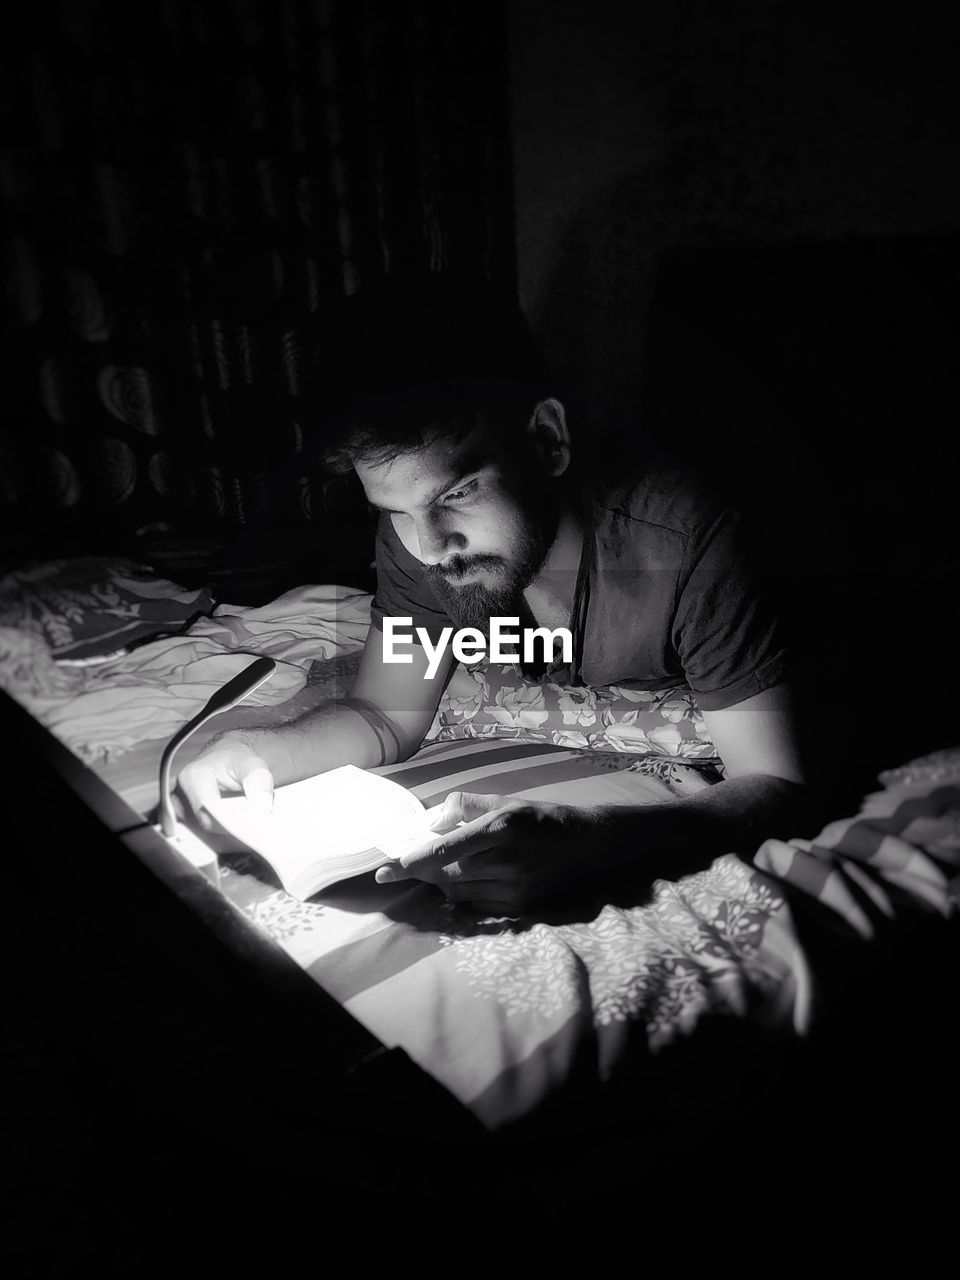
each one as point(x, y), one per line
point(505, 1012)
point(146, 693)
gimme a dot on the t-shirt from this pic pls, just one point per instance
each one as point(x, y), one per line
point(665, 596)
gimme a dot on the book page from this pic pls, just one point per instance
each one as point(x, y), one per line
point(325, 823)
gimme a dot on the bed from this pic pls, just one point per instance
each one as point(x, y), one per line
point(516, 1019)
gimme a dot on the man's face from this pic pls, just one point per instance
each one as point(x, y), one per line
point(481, 521)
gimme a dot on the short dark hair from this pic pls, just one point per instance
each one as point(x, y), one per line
point(395, 374)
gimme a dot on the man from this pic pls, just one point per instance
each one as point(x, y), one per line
point(449, 425)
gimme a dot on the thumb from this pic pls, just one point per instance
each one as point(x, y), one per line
point(464, 806)
point(258, 788)
point(199, 793)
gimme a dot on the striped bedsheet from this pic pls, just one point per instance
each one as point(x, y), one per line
point(499, 1011)
point(503, 1012)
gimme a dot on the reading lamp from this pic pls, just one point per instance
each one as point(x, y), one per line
point(234, 691)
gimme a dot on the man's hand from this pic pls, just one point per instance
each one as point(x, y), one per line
point(510, 855)
point(228, 763)
point(503, 854)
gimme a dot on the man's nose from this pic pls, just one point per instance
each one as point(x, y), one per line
point(434, 537)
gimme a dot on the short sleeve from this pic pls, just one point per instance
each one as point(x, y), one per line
point(402, 589)
point(726, 631)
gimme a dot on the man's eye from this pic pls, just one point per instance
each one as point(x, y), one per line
point(457, 495)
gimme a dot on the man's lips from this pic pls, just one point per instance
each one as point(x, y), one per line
point(469, 574)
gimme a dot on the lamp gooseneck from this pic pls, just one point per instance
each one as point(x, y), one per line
point(234, 691)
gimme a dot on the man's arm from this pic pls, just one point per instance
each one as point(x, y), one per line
point(383, 720)
point(512, 853)
point(767, 790)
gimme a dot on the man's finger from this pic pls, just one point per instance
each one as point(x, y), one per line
point(258, 788)
point(451, 873)
point(457, 846)
point(199, 794)
point(469, 872)
point(427, 861)
point(464, 806)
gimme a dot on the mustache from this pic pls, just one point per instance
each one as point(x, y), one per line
point(463, 566)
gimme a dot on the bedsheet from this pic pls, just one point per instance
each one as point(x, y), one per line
point(145, 694)
point(505, 1012)
point(501, 1011)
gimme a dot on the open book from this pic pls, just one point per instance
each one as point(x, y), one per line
point(328, 828)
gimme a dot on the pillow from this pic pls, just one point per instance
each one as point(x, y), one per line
point(487, 700)
point(938, 766)
point(90, 608)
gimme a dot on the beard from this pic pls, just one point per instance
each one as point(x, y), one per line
point(499, 594)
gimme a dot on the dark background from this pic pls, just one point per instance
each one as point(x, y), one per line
point(737, 224)
point(190, 191)
point(733, 227)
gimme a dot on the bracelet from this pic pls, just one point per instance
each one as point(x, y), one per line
point(380, 723)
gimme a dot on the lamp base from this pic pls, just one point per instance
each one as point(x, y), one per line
point(192, 848)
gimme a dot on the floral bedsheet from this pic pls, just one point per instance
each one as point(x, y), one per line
point(503, 1011)
point(488, 700)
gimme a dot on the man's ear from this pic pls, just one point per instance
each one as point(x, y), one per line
point(550, 436)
